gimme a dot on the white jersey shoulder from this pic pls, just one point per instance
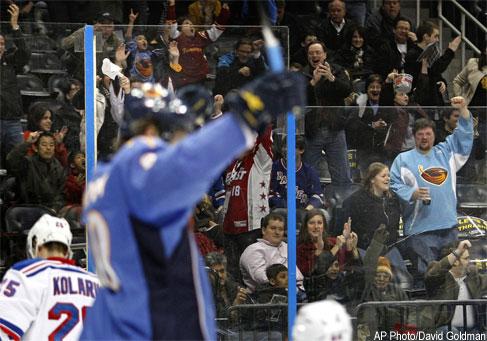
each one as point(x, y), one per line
point(45, 299)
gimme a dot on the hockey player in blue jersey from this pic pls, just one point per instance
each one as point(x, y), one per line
point(424, 178)
point(137, 209)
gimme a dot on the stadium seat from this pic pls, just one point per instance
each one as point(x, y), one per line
point(54, 82)
point(19, 220)
point(40, 43)
point(31, 85)
point(46, 63)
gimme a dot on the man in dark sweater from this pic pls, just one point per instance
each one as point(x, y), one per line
point(41, 176)
point(329, 85)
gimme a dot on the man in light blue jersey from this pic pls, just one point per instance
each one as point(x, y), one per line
point(137, 209)
point(424, 178)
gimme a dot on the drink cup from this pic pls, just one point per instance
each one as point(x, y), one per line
point(427, 200)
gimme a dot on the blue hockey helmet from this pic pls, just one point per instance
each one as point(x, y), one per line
point(152, 102)
point(199, 102)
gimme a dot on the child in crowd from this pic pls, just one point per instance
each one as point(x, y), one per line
point(76, 179)
point(143, 58)
point(192, 44)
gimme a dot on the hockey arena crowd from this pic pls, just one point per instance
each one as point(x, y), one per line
point(378, 219)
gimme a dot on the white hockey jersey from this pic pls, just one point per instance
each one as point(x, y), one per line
point(45, 299)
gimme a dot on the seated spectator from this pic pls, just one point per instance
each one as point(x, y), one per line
point(433, 92)
point(76, 179)
point(39, 119)
point(41, 176)
point(143, 58)
point(452, 278)
point(391, 53)
point(309, 193)
point(237, 68)
point(277, 285)
point(378, 286)
point(226, 291)
point(192, 44)
point(321, 258)
point(336, 27)
point(356, 57)
point(269, 250)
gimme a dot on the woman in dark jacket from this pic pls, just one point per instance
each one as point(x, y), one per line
point(355, 57)
point(372, 205)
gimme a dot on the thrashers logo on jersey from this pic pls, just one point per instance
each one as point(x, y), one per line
point(433, 175)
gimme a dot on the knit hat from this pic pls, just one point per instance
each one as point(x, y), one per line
point(383, 265)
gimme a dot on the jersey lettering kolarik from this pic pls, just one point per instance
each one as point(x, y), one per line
point(45, 300)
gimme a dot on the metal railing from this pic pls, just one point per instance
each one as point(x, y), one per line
point(418, 317)
point(268, 321)
point(462, 32)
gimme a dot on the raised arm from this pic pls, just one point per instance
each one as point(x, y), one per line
point(130, 27)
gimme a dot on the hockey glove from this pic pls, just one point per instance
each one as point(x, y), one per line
point(261, 100)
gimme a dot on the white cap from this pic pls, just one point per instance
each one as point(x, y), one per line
point(325, 320)
point(48, 229)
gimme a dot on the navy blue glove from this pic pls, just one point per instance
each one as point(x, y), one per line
point(273, 94)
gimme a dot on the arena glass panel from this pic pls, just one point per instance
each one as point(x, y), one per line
point(210, 226)
point(49, 74)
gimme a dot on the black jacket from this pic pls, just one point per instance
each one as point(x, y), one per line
point(41, 181)
point(387, 57)
point(11, 63)
point(327, 94)
point(368, 212)
point(426, 87)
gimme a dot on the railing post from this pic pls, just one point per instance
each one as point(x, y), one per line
point(440, 15)
point(418, 12)
point(90, 64)
point(462, 29)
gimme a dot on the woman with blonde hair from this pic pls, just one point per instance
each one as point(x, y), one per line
point(372, 205)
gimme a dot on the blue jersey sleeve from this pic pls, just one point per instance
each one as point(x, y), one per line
point(459, 144)
point(403, 181)
point(172, 180)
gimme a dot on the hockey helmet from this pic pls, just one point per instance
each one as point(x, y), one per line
point(157, 104)
point(48, 229)
point(325, 320)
